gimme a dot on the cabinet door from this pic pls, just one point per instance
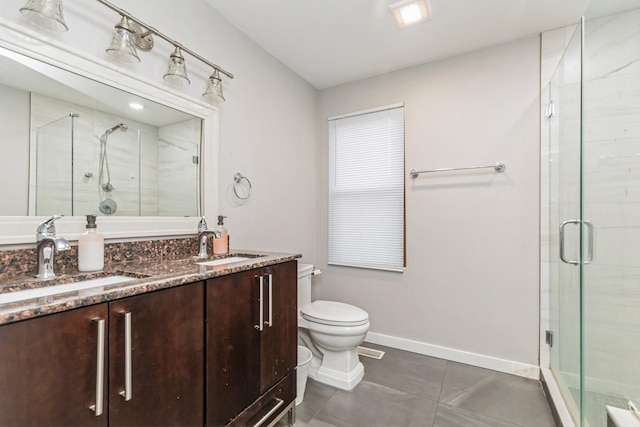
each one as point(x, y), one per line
point(167, 358)
point(279, 339)
point(48, 369)
point(233, 345)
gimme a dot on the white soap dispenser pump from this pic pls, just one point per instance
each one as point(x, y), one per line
point(91, 247)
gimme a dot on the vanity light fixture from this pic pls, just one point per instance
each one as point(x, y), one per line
point(122, 46)
point(177, 71)
point(213, 93)
point(131, 34)
point(410, 12)
point(45, 13)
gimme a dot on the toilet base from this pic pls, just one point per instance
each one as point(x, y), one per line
point(341, 370)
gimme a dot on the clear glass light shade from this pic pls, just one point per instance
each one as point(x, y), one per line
point(177, 71)
point(45, 13)
point(122, 47)
point(213, 93)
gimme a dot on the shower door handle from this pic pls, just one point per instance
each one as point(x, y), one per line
point(562, 226)
point(590, 247)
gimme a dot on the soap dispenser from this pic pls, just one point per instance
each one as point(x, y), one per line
point(221, 244)
point(91, 247)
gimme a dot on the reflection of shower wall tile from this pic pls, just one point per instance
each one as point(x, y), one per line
point(86, 154)
point(122, 155)
point(130, 174)
point(149, 172)
point(45, 110)
point(177, 173)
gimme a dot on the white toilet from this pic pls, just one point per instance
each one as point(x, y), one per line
point(332, 331)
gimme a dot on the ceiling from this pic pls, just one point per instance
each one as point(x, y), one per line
point(330, 42)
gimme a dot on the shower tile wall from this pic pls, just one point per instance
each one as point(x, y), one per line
point(612, 203)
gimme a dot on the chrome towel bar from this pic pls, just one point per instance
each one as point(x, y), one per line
point(499, 167)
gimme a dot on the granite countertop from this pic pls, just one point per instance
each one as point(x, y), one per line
point(146, 276)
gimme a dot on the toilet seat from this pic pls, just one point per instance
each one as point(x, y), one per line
point(334, 313)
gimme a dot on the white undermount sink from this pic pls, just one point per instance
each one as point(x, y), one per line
point(223, 261)
point(60, 289)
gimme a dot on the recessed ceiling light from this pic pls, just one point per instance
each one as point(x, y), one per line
point(410, 12)
point(136, 105)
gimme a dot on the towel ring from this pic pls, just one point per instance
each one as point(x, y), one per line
point(238, 178)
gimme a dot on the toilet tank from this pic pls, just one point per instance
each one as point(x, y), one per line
point(305, 273)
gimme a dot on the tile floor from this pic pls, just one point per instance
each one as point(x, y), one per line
point(405, 389)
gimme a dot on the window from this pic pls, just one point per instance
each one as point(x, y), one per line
point(366, 189)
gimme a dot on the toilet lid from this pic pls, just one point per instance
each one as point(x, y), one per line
point(334, 313)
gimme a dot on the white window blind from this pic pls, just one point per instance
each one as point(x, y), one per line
point(366, 189)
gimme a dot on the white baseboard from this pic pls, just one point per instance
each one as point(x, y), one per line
point(480, 360)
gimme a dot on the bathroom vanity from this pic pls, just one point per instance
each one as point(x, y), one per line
point(180, 344)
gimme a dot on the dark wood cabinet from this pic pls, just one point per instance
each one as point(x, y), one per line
point(279, 340)
point(48, 369)
point(226, 348)
point(251, 342)
point(166, 364)
point(48, 365)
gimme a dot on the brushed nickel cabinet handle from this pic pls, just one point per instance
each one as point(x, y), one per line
point(126, 393)
point(260, 325)
point(270, 322)
point(98, 407)
point(271, 412)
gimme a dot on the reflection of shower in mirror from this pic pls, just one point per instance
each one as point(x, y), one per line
point(107, 205)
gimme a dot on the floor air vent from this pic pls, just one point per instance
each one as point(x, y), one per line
point(369, 352)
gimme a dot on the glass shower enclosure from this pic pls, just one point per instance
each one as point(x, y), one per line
point(594, 213)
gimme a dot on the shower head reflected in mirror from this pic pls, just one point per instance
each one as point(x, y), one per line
point(122, 126)
point(107, 205)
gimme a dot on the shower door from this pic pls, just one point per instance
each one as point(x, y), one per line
point(595, 214)
point(611, 202)
point(565, 280)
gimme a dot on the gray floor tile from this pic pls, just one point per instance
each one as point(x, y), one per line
point(495, 394)
point(396, 392)
point(405, 371)
point(316, 396)
point(450, 416)
point(373, 405)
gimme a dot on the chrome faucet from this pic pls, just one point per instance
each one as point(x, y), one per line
point(47, 245)
point(203, 233)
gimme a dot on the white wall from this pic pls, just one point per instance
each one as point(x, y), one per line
point(471, 282)
point(267, 125)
